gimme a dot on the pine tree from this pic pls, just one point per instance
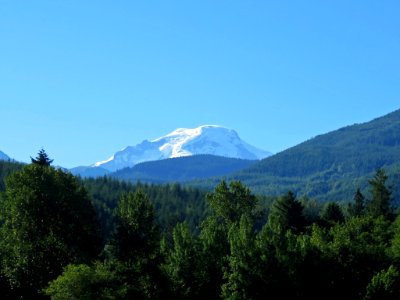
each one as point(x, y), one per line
point(380, 204)
point(213, 249)
point(287, 213)
point(181, 263)
point(332, 213)
point(42, 159)
point(357, 208)
point(241, 274)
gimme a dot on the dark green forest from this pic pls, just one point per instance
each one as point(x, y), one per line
point(64, 237)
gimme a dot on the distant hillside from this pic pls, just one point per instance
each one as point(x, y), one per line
point(330, 166)
point(356, 149)
point(183, 169)
point(6, 168)
point(86, 172)
point(4, 156)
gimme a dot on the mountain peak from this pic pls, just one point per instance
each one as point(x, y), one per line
point(192, 132)
point(205, 139)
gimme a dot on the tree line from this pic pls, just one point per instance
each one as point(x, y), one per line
point(52, 243)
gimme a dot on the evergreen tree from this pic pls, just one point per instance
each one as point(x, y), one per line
point(350, 254)
point(135, 246)
point(233, 201)
point(42, 159)
point(332, 213)
point(181, 265)
point(213, 249)
point(357, 208)
point(380, 204)
point(136, 236)
point(287, 213)
point(242, 271)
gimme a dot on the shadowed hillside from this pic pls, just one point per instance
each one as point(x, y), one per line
point(330, 166)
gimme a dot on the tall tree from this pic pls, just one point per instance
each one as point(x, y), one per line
point(213, 249)
point(42, 159)
point(241, 274)
point(287, 213)
point(181, 263)
point(135, 246)
point(48, 222)
point(136, 236)
point(332, 214)
point(233, 201)
point(380, 204)
point(357, 208)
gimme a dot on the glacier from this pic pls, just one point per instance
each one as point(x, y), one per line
point(205, 139)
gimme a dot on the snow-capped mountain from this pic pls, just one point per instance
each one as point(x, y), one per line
point(207, 139)
point(3, 156)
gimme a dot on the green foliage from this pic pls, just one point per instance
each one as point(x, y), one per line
point(302, 251)
point(380, 204)
point(131, 267)
point(213, 249)
point(102, 280)
point(181, 263)
point(357, 208)
point(352, 253)
point(135, 246)
point(136, 234)
point(286, 214)
point(85, 282)
point(172, 202)
point(384, 285)
point(6, 169)
point(242, 262)
point(394, 250)
point(232, 202)
point(48, 222)
point(332, 213)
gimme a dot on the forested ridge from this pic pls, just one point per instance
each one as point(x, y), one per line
point(63, 237)
point(181, 169)
point(329, 166)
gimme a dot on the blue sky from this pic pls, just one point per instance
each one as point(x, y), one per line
point(84, 79)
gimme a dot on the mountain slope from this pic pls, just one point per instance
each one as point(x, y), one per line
point(357, 149)
point(182, 169)
point(332, 165)
point(4, 156)
point(89, 171)
point(7, 167)
point(207, 139)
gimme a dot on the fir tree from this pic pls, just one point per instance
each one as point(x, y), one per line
point(42, 159)
point(380, 204)
point(357, 208)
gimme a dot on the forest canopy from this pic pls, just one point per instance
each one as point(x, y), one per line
point(67, 238)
